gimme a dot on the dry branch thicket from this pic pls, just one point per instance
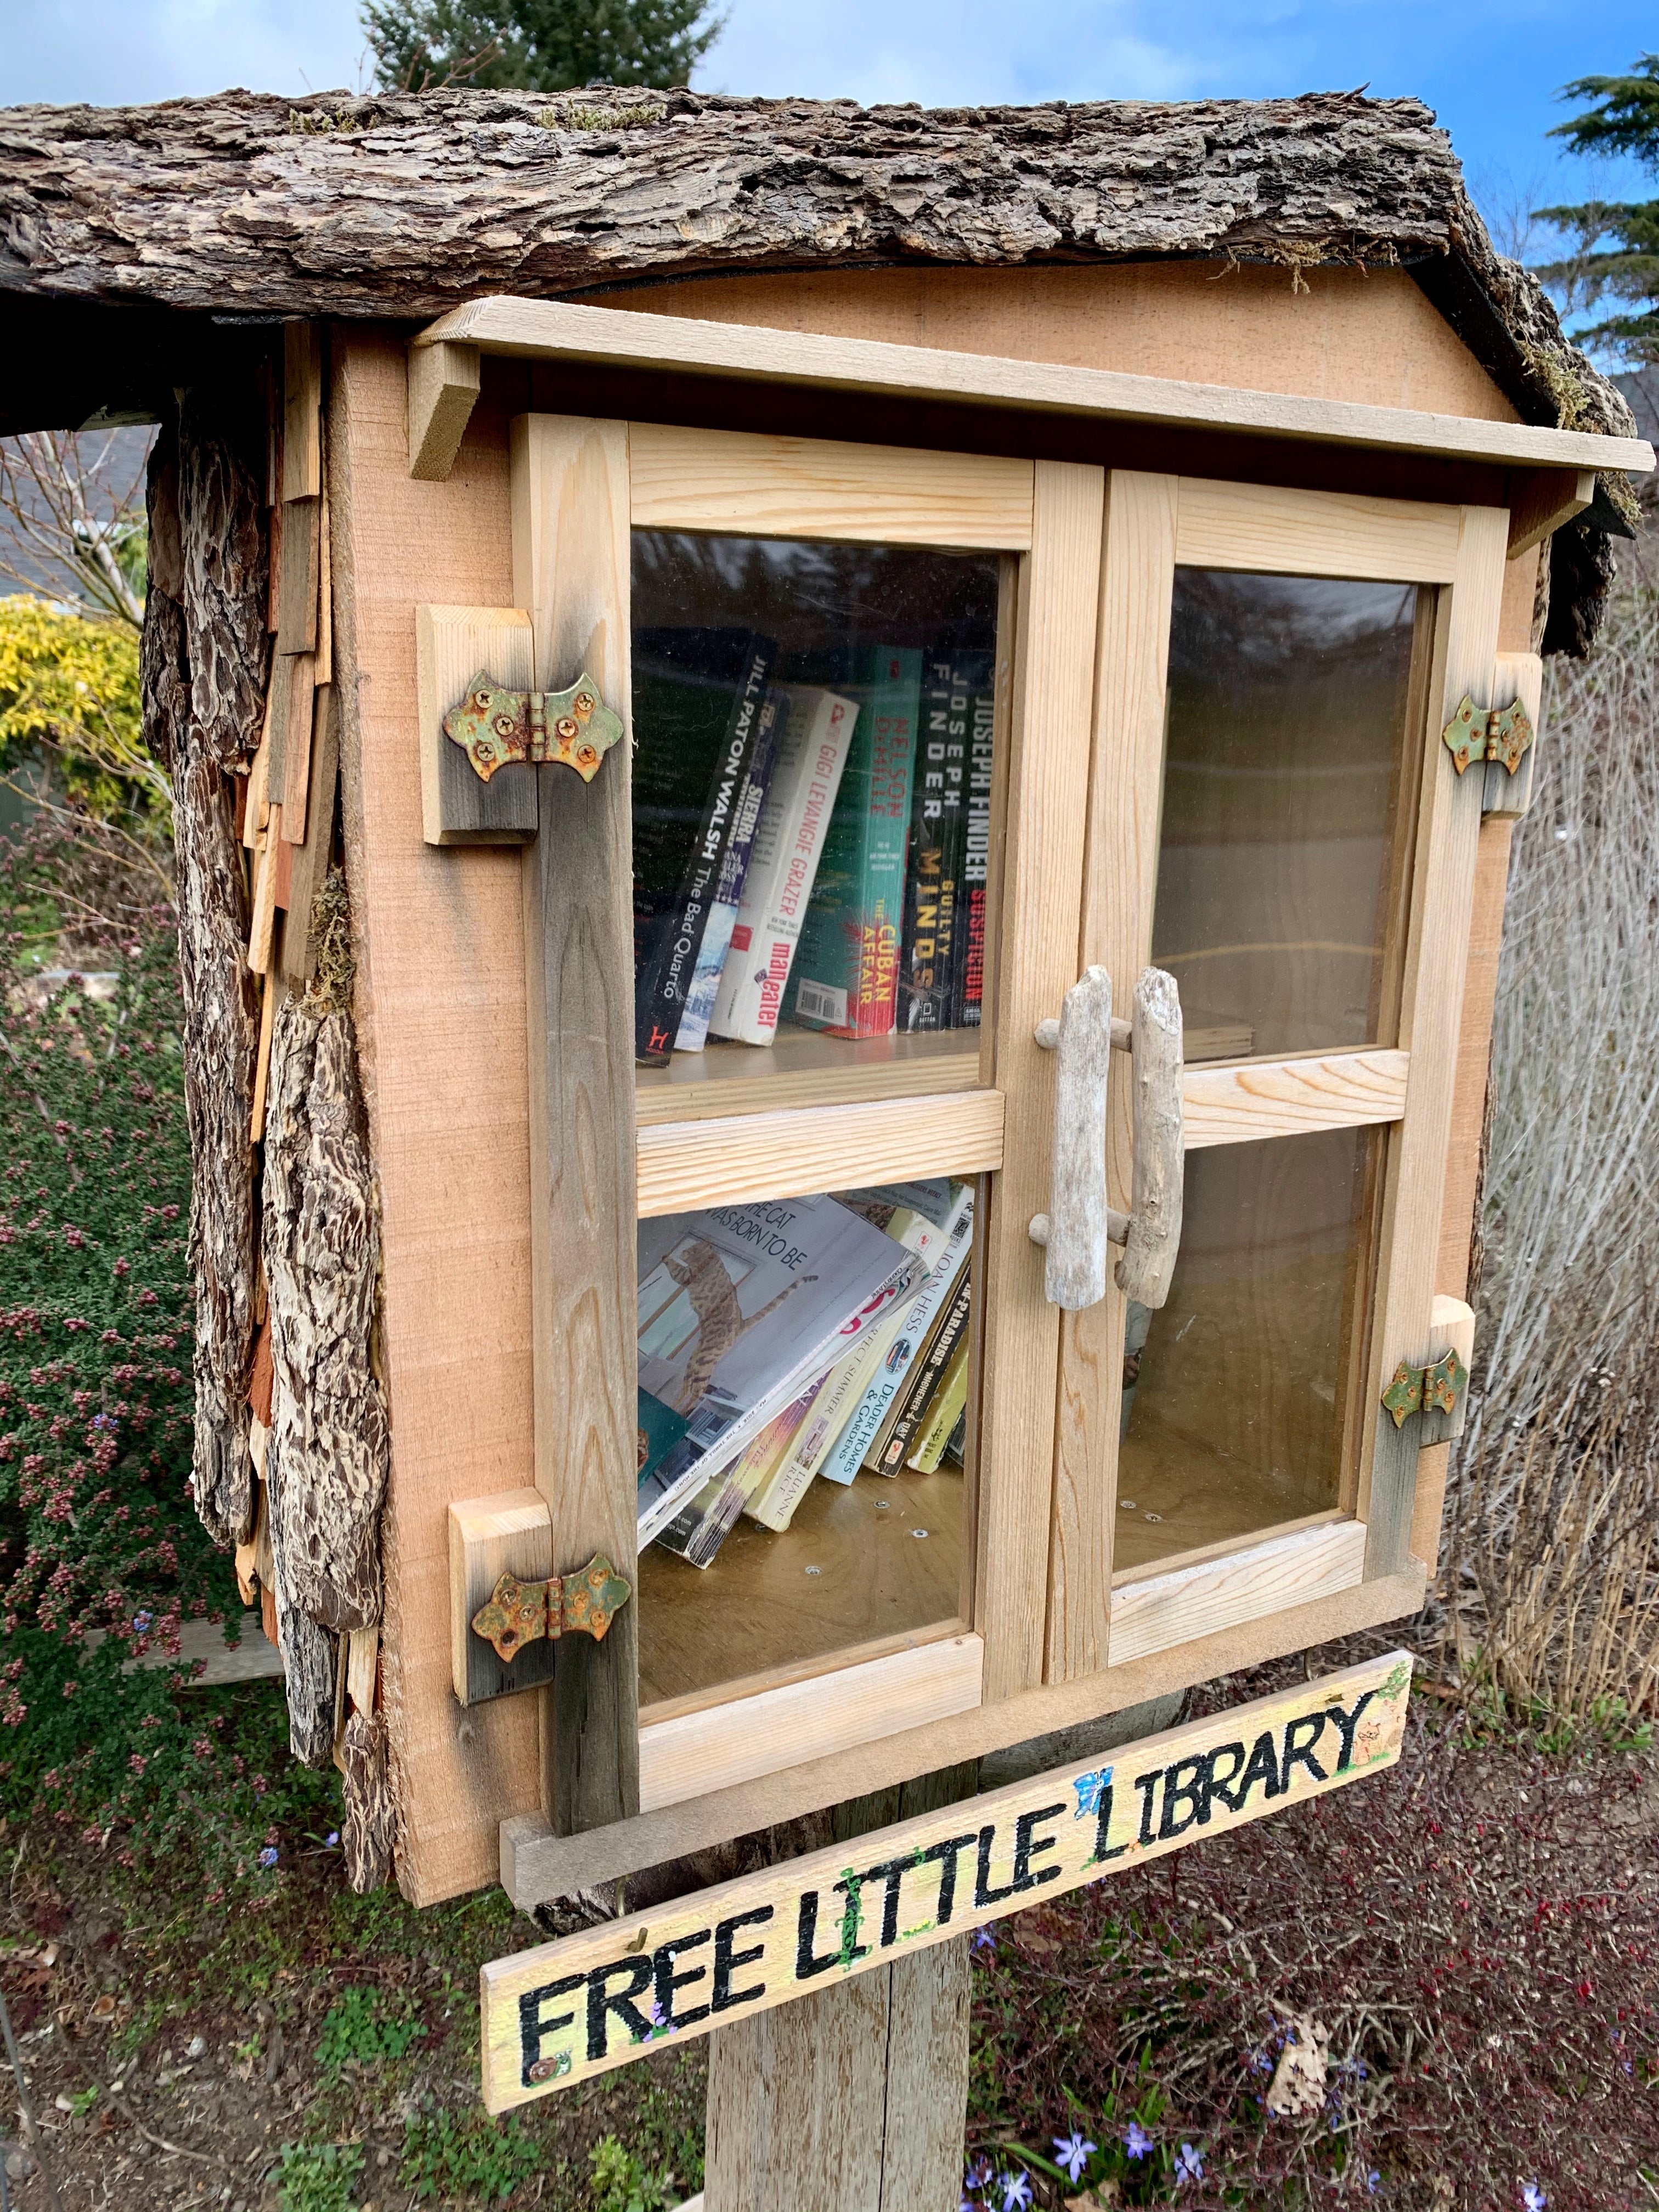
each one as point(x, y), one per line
point(1554, 1529)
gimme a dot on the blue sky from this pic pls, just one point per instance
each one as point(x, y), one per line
point(1490, 67)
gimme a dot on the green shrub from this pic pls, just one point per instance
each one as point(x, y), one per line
point(101, 1557)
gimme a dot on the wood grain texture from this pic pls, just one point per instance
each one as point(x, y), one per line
point(301, 575)
point(1443, 891)
point(1157, 1142)
point(1286, 1097)
point(302, 404)
point(736, 1741)
point(1315, 533)
point(1036, 964)
point(508, 1534)
point(1119, 873)
point(321, 1245)
point(1486, 944)
point(570, 565)
point(552, 330)
point(1506, 798)
point(452, 645)
point(805, 1067)
point(535, 1865)
point(368, 1830)
point(1542, 500)
point(811, 1148)
point(439, 1007)
point(312, 859)
point(1182, 1606)
point(299, 722)
point(443, 389)
point(772, 487)
point(1074, 1238)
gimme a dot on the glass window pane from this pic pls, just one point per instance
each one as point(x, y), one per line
point(805, 1428)
point(814, 730)
point(1238, 1392)
point(1288, 712)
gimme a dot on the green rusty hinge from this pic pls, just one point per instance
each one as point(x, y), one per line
point(1496, 734)
point(1435, 1389)
point(584, 1603)
point(495, 728)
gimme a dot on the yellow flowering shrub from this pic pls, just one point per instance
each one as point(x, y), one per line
point(69, 688)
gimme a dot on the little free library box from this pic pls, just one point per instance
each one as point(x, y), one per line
point(843, 780)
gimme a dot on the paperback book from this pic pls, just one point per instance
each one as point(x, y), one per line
point(939, 828)
point(740, 1306)
point(707, 1518)
point(846, 974)
point(810, 752)
point(977, 675)
point(697, 699)
point(734, 868)
point(891, 1450)
point(847, 1454)
point(949, 1406)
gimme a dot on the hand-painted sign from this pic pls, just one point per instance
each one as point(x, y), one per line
point(554, 2016)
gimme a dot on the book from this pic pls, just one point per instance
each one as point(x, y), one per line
point(809, 759)
point(957, 1446)
point(739, 1307)
point(703, 1523)
point(697, 697)
point(888, 1453)
point(772, 1502)
point(660, 1430)
point(846, 973)
point(734, 867)
point(846, 1456)
point(978, 674)
point(949, 1409)
point(938, 825)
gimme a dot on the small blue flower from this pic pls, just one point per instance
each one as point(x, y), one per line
point(1533, 2196)
point(141, 1623)
point(268, 1858)
point(103, 1420)
point(977, 2175)
point(1373, 2181)
point(331, 1840)
point(1016, 2191)
point(1137, 2142)
point(984, 1940)
point(1189, 2163)
point(1073, 2152)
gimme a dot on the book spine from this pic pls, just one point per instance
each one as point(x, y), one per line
point(699, 1529)
point(734, 867)
point(930, 1374)
point(928, 964)
point(848, 978)
point(811, 760)
point(956, 1449)
point(949, 1406)
point(660, 993)
point(968, 997)
point(847, 1455)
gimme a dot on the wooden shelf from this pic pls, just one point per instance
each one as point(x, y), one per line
point(756, 1617)
point(803, 1068)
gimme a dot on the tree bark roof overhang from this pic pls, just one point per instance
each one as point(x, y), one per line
point(182, 221)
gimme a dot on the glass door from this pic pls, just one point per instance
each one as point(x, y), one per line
point(1272, 824)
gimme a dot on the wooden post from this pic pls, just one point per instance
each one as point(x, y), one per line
point(570, 569)
point(854, 2100)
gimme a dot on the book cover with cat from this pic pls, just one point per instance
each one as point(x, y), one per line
point(737, 1306)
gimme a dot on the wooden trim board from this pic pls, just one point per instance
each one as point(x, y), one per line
point(805, 1068)
point(1168, 1609)
point(722, 1745)
point(1260, 1099)
point(794, 1151)
point(552, 330)
point(536, 1865)
point(1314, 533)
point(776, 487)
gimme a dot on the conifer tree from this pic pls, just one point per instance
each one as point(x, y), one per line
point(541, 46)
point(1617, 242)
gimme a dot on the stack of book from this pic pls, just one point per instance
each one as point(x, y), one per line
point(781, 1342)
point(806, 854)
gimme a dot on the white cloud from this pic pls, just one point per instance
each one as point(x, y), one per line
point(116, 51)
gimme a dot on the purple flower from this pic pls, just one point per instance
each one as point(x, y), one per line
point(1137, 2142)
point(141, 1622)
point(331, 1840)
point(1533, 2196)
point(1373, 2181)
point(977, 2175)
point(984, 1940)
point(268, 1858)
point(1189, 2163)
point(1073, 2152)
point(1016, 2191)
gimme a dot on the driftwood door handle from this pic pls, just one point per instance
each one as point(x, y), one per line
point(1160, 1142)
point(1081, 1224)
point(1075, 1231)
